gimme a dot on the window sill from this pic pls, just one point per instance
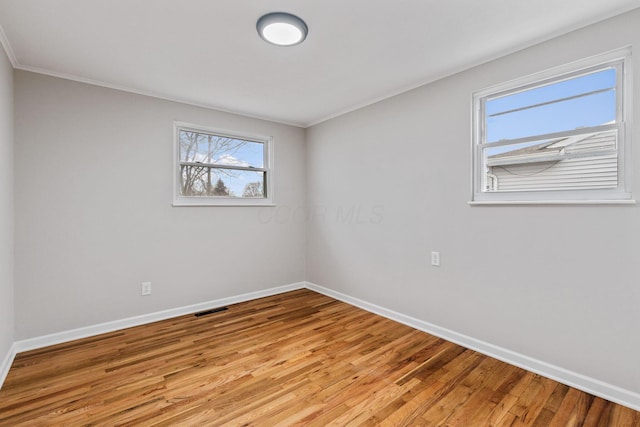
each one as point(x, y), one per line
point(222, 203)
point(552, 202)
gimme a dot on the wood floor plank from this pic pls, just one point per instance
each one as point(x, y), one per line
point(551, 406)
point(596, 411)
point(573, 409)
point(299, 358)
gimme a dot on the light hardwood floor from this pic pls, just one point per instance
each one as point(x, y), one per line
point(298, 358)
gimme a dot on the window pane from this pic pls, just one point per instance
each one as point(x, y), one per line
point(504, 151)
point(587, 161)
point(604, 79)
point(555, 107)
point(221, 150)
point(204, 181)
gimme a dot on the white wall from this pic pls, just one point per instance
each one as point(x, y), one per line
point(93, 171)
point(6, 207)
point(389, 183)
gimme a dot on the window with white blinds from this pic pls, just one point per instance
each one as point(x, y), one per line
point(560, 135)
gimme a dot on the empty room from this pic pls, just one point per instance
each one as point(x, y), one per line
point(312, 213)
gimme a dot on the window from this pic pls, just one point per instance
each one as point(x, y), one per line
point(215, 167)
point(558, 136)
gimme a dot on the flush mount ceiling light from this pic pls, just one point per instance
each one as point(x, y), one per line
point(282, 29)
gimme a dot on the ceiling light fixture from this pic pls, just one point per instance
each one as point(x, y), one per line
point(282, 29)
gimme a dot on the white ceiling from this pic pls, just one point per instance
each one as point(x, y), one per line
point(207, 52)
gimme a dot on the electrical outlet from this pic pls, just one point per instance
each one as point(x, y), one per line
point(145, 288)
point(435, 258)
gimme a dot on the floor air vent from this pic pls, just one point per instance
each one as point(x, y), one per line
point(213, 310)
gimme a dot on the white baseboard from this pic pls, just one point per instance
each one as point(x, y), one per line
point(88, 331)
point(6, 363)
point(573, 379)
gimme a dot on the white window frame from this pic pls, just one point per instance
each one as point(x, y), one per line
point(267, 141)
point(621, 59)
